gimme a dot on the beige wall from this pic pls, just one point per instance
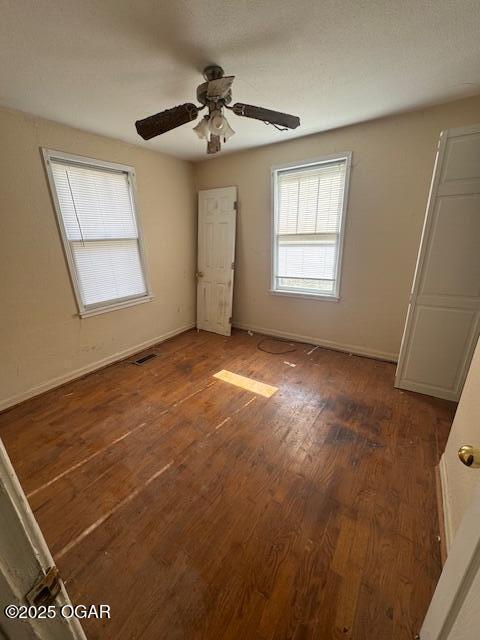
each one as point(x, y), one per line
point(458, 481)
point(391, 171)
point(42, 339)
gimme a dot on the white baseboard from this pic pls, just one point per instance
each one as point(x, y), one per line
point(99, 364)
point(329, 344)
point(120, 355)
point(446, 504)
point(426, 389)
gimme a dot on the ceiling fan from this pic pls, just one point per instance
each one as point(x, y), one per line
point(215, 94)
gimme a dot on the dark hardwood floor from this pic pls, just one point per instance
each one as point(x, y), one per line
point(197, 509)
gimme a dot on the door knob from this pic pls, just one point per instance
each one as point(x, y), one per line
point(470, 456)
point(199, 274)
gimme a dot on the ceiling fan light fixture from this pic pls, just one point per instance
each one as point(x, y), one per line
point(219, 125)
point(228, 131)
point(216, 123)
point(202, 129)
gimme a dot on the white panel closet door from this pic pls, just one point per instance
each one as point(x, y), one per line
point(443, 317)
point(216, 255)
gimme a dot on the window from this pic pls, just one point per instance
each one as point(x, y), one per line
point(309, 203)
point(95, 204)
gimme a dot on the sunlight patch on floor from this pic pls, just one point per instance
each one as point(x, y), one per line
point(266, 390)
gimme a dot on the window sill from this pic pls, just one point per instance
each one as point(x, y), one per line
point(114, 307)
point(308, 296)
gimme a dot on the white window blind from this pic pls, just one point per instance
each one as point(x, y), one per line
point(308, 227)
point(100, 230)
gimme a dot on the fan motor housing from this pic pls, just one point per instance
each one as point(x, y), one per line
point(213, 72)
point(202, 95)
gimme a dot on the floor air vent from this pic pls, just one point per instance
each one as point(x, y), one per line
point(144, 359)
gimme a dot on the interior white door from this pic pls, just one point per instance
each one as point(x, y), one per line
point(24, 559)
point(454, 613)
point(217, 210)
point(443, 317)
point(458, 481)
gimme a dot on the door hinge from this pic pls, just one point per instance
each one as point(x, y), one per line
point(233, 265)
point(45, 590)
point(235, 205)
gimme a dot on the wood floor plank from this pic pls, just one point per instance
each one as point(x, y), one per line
point(200, 510)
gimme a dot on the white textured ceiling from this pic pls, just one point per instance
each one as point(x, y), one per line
point(101, 64)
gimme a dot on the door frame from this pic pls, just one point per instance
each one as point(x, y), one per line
point(24, 558)
point(422, 253)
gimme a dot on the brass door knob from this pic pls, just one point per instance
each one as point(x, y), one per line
point(199, 274)
point(470, 456)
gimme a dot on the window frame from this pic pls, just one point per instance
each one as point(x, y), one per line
point(116, 303)
point(275, 169)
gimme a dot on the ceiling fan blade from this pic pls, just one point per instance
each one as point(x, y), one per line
point(267, 115)
point(220, 87)
point(166, 120)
